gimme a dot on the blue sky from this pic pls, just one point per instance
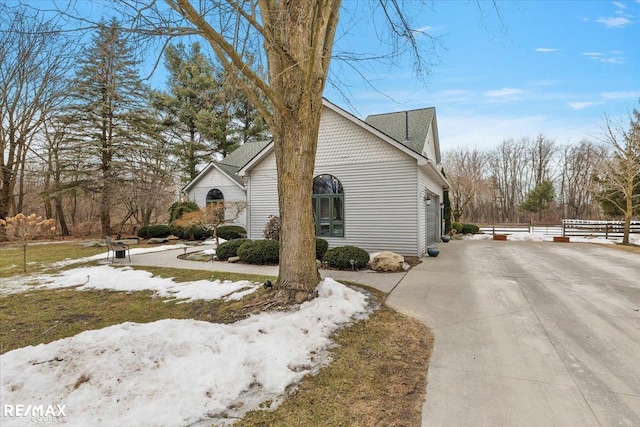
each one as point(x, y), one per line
point(552, 67)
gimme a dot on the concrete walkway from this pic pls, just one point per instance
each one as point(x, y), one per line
point(529, 334)
point(382, 281)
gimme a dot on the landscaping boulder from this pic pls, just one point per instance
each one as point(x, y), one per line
point(157, 240)
point(172, 237)
point(199, 256)
point(387, 261)
point(233, 259)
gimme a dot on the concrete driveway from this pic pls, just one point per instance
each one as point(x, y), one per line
point(529, 334)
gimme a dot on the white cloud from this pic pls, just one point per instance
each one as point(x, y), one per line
point(503, 93)
point(612, 60)
point(614, 22)
point(425, 29)
point(578, 105)
point(547, 49)
point(619, 4)
point(627, 94)
point(617, 57)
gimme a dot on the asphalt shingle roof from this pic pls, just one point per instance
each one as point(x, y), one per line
point(394, 126)
point(244, 153)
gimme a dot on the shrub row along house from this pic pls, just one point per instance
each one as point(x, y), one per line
point(378, 183)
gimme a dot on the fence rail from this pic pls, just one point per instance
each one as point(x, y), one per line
point(568, 228)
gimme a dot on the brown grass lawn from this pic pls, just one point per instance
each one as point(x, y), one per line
point(627, 248)
point(377, 378)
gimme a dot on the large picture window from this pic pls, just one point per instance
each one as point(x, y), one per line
point(328, 206)
point(215, 203)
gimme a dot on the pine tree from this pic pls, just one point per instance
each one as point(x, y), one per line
point(108, 115)
point(203, 111)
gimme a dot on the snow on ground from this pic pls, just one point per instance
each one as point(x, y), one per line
point(126, 279)
point(539, 237)
point(175, 372)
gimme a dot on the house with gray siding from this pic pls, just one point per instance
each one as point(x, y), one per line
point(377, 183)
point(219, 181)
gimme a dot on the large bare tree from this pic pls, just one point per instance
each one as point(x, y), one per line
point(622, 172)
point(465, 169)
point(32, 77)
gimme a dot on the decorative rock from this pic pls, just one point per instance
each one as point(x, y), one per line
point(172, 237)
point(406, 266)
point(199, 256)
point(233, 259)
point(387, 261)
point(157, 240)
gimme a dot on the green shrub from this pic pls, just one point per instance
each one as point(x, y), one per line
point(178, 208)
point(272, 229)
point(339, 257)
point(456, 226)
point(470, 229)
point(230, 232)
point(260, 252)
point(321, 247)
point(156, 230)
point(199, 233)
point(228, 249)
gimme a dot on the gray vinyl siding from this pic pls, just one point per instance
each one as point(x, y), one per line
point(380, 203)
point(215, 179)
point(262, 196)
point(382, 184)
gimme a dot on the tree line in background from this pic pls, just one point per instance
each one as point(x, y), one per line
point(540, 180)
point(83, 138)
point(85, 142)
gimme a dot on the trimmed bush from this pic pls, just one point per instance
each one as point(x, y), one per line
point(339, 257)
point(260, 252)
point(228, 249)
point(199, 233)
point(456, 226)
point(321, 247)
point(230, 232)
point(470, 229)
point(156, 230)
point(177, 209)
point(272, 229)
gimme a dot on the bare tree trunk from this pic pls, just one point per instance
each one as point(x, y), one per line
point(298, 75)
point(298, 270)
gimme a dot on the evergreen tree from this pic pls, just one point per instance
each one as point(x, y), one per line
point(538, 199)
point(203, 111)
point(184, 108)
point(108, 115)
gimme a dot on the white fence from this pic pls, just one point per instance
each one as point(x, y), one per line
point(568, 227)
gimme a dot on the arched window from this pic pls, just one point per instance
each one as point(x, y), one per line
point(328, 206)
point(215, 202)
point(214, 196)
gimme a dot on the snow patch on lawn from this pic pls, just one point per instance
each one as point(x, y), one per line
point(126, 279)
point(176, 372)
